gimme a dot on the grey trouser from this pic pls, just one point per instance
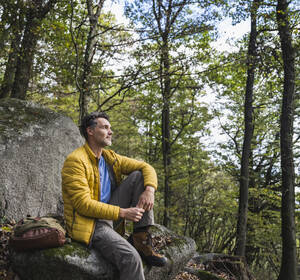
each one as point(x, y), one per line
point(113, 246)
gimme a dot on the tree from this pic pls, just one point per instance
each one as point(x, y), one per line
point(85, 86)
point(248, 133)
point(35, 13)
point(288, 270)
point(75, 56)
point(263, 235)
point(166, 26)
point(13, 15)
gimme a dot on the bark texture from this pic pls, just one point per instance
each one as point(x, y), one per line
point(16, 28)
point(36, 12)
point(288, 270)
point(248, 133)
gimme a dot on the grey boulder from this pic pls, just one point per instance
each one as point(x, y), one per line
point(34, 142)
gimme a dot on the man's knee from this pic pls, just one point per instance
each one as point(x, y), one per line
point(136, 175)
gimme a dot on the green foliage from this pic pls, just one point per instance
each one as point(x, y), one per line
point(127, 82)
point(228, 80)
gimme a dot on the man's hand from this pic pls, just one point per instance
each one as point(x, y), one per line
point(132, 214)
point(146, 200)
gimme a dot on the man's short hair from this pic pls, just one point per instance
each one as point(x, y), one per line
point(90, 121)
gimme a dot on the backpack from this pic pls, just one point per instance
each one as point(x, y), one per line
point(37, 233)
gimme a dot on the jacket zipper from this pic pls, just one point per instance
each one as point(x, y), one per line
point(94, 225)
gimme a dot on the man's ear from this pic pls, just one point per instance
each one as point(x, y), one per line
point(90, 130)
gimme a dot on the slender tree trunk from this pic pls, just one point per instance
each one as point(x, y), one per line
point(165, 14)
point(248, 110)
point(288, 270)
point(85, 88)
point(188, 205)
point(166, 141)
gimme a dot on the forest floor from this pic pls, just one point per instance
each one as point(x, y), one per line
point(6, 272)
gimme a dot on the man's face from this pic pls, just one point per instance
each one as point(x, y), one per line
point(100, 134)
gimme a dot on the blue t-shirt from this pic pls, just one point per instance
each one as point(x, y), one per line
point(104, 181)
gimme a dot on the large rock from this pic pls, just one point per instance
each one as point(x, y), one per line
point(75, 262)
point(34, 142)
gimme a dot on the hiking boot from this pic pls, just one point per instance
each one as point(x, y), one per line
point(142, 242)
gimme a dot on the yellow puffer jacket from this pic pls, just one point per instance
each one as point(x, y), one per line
point(81, 185)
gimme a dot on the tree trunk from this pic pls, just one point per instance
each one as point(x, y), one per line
point(35, 14)
point(25, 57)
point(188, 205)
point(16, 29)
point(288, 270)
point(166, 141)
point(85, 88)
point(9, 75)
point(248, 110)
point(165, 14)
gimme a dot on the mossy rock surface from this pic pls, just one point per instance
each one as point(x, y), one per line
point(17, 117)
point(178, 249)
point(74, 261)
point(70, 262)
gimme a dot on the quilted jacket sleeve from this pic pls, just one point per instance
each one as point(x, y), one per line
point(79, 187)
point(129, 165)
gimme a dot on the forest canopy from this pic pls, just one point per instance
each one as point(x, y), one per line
point(219, 124)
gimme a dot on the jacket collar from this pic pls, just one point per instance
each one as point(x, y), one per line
point(93, 157)
point(90, 153)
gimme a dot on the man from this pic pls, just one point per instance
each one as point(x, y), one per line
point(95, 196)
